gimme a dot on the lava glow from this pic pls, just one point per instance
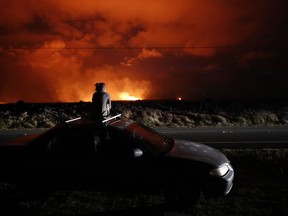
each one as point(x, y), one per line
point(127, 96)
point(56, 50)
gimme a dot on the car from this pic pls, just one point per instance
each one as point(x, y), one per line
point(119, 154)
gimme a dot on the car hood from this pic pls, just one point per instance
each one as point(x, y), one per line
point(197, 152)
point(19, 141)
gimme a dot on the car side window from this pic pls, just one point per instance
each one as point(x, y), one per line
point(118, 145)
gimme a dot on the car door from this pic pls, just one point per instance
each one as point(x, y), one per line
point(72, 155)
point(127, 169)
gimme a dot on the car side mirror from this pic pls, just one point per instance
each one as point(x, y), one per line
point(137, 153)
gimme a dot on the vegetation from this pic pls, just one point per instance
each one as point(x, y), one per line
point(151, 113)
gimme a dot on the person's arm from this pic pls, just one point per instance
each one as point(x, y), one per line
point(108, 105)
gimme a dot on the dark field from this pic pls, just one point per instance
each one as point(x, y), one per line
point(261, 176)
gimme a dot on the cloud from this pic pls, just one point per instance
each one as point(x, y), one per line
point(257, 55)
point(133, 23)
point(57, 49)
point(144, 54)
point(53, 73)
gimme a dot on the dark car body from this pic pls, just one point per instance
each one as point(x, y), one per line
point(120, 155)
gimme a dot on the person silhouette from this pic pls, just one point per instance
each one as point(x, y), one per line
point(101, 102)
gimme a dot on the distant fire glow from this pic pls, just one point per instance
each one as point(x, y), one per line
point(127, 96)
point(55, 51)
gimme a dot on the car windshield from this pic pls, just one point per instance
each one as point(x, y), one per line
point(149, 138)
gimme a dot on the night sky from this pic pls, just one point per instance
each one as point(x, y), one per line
point(56, 50)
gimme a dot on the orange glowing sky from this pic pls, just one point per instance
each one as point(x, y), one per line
point(55, 50)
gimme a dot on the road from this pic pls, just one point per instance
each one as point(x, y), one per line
point(246, 137)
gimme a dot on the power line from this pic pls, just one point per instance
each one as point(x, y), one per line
point(136, 48)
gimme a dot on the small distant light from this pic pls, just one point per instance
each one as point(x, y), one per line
point(179, 98)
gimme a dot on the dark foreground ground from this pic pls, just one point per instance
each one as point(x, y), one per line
point(261, 176)
point(261, 188)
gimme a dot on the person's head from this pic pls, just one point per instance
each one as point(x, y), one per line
point(100, 87)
